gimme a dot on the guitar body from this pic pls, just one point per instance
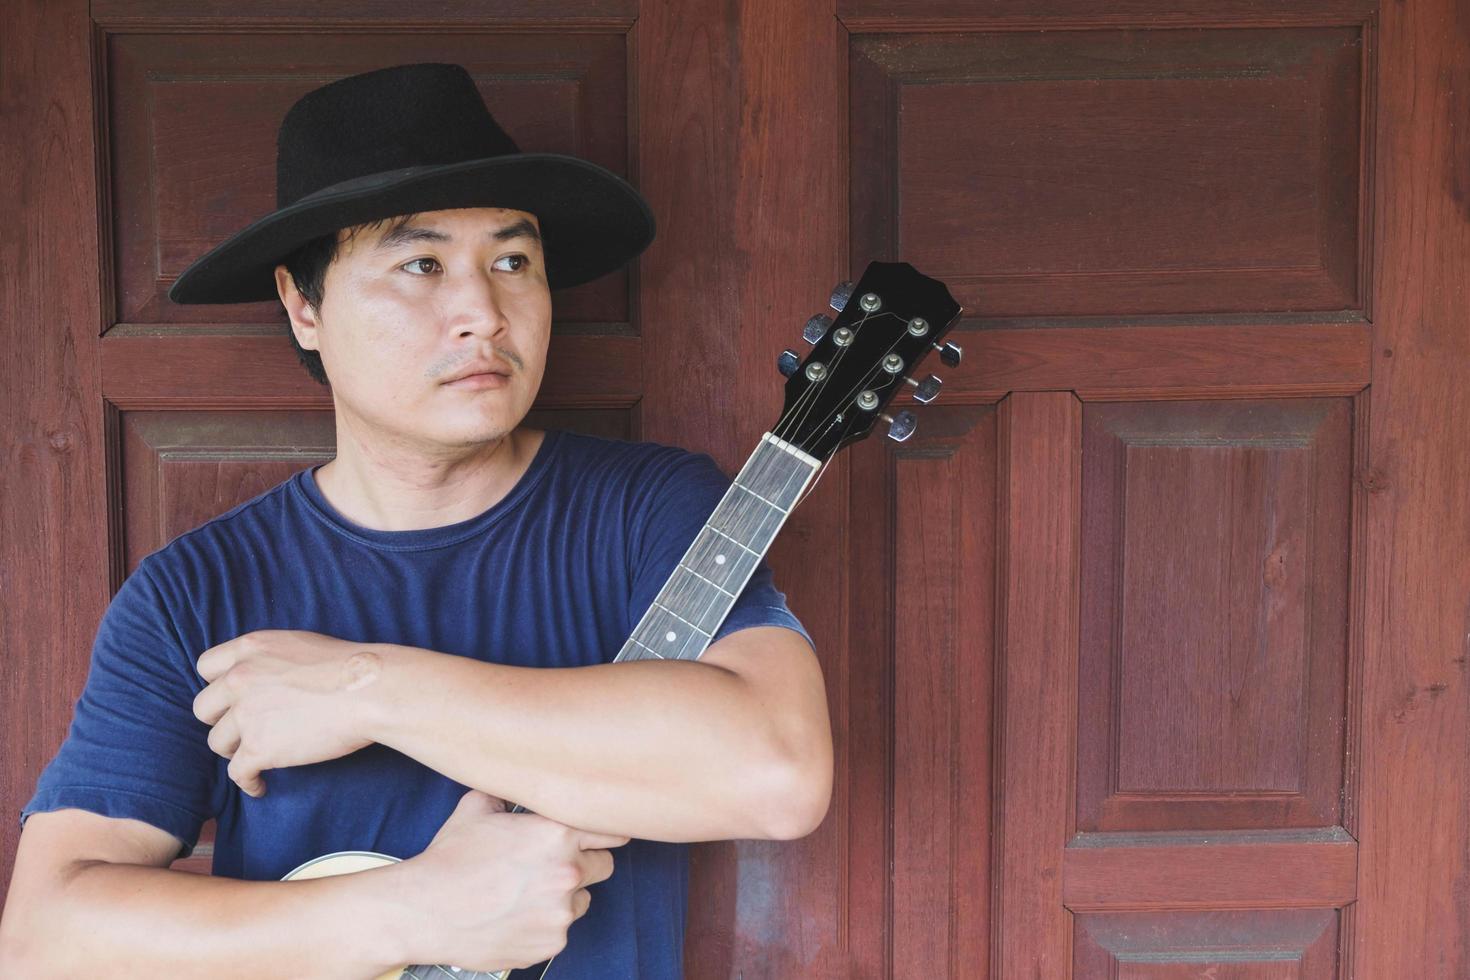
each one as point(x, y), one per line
point(350, 862)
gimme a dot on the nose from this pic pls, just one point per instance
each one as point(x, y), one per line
point(475, 308)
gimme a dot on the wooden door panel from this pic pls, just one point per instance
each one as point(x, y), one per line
point(943, 662)
point(180, 469)
point(192, 126)
point(1161, 222)
point(1187, 358)
point(1210, 869)
point(1299, 944)
point(1159, 219)
point(876, 15)
point(1214, 641)
point(1114, 173)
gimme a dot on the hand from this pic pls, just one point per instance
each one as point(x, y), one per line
point(499, 890)
point(284, 698)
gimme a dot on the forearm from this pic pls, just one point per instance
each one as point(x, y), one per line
point(139, 921)
point(664, 750)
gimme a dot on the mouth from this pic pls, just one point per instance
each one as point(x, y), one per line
point(480, 376)
point(475, 382)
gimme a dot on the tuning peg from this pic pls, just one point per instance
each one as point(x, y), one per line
point(901, 425)
point(841, 293)
point(816, 328)
point(787, 362)
point(949, 353)
point(927, 390)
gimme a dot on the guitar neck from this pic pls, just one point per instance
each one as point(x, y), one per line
point(703, 587)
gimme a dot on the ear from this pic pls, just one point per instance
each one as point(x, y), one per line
point(303, 318)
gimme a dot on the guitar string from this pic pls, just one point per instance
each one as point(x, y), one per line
point(791, 421)
point(762, 469)
point(757, 470)
point(787, 425)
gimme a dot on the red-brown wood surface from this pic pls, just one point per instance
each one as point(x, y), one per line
point(55, 575)
point(1223, 869)
point(1038, 513)
point(1412, 796)
point(1214, 614)
point(739, 152)
point(1146, 656)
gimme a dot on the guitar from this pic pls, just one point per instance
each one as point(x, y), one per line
point(857, 365)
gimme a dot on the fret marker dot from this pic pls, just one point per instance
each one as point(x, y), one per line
point(719, 559)
point(671, 636)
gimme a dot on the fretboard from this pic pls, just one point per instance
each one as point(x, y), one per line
point(704, 586)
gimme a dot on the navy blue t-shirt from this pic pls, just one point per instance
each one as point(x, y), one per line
point(554, 575)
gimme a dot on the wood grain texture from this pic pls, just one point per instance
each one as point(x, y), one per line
point(465, 15)
point(1413, 797)
point(1223, 869)
point(1039, 513)
point(940, 670)
point(738, 148)
point(192, 123)
point(54, 570)
point(907, 16)
point(1077, 173)
point(1129, 361)
point(258, 369)
point(737, 128)
point(1214, 644)
point(1293, 944)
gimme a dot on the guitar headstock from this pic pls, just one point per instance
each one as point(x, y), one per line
point(885, 327)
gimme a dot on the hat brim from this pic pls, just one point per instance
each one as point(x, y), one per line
point(592, 220)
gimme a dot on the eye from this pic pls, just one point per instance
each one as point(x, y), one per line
point(410, 264)
point(525, 263)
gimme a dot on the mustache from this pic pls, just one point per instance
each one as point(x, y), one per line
point(443, 367)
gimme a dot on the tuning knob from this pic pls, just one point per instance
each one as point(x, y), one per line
point(841, 293)
point(901, 425)
point(949, 353)
point(788, 361)
point(816, 328)
point(927, 390)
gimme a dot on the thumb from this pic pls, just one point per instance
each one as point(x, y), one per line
point(246, 775)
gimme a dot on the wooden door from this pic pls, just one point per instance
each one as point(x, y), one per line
point(1147, 654)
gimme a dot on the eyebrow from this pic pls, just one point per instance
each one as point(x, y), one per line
point(406, 234)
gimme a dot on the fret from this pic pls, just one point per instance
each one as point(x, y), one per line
point(680, 618)
point(669, 637)
point(695, 600)
point(769, 503)
point(719, 560)
point(776, 475)
point(747, 518)
point(733, 541)
point(688, 610)
point(652, 653)
point(691, 571)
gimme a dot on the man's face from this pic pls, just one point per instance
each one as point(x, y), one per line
point(407, 312)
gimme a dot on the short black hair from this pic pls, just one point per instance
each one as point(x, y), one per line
point(308, 268)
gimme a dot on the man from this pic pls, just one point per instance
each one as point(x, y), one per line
point(375, 653)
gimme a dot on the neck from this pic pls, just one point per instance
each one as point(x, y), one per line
point(386, 487)
point(703, 587)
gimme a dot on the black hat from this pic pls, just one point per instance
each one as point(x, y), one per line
point(409, 139)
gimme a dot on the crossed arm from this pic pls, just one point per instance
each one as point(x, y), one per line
point(735, 745)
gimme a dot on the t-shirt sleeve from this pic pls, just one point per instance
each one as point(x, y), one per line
point(680, 493)
point(135, 748)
